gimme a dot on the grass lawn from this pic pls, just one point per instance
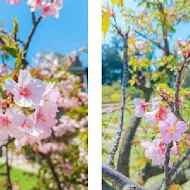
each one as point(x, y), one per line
point(24, 180)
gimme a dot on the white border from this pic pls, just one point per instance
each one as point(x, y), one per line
point(94, 89)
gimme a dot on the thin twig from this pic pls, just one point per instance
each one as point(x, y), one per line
point(9, 184)
point(54, 173)
point(110, 160)
point(176, 111)
point(35, 24)
point(179, 162)
point(178, 84)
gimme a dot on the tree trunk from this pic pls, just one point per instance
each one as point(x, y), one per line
point(127, 138)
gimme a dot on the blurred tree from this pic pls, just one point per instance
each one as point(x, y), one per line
point(112, 62)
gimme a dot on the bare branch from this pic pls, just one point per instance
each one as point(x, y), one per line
point(110, 160)
point(179, 162)
point(119, 180)
point(165, 184)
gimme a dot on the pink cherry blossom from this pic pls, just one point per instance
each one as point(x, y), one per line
point(66, 125)
point(13, 1)
point(51, 94)
point(141, 46)
point(159, 113)
point(45, 119)
point(141, 107)
point(68, 103)
point(10, 123)
point(29, 127)
point(28, 91)
point(51, 147)
point(171, 129)
point(35, 4)
point(51, 8)
point(155, 151)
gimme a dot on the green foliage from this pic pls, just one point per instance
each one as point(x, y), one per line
point(112, 65)
point(112, 94)
point(24, 180)
point(15, 27)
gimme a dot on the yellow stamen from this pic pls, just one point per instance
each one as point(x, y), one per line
point(171, 129)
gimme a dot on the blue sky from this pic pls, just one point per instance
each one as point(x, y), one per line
point(63, 35)
point(182, 30)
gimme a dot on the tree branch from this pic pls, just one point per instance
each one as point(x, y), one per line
point(27, 44)
point(179, 162)
point(157, 44)
point(119, 180)
point(55, 175)
point(165, 184)
point(110, 160)
point(9, 184)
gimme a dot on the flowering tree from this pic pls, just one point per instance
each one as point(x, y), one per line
point(43, 108)
point(158, 71)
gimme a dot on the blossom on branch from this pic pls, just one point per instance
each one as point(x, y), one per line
point(28, 91)
point(172, 129)
point(155, 151)
point(10, 123)
point(141, 107)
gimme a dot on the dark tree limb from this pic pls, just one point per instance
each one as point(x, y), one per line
point(111, 156)
point(157, 44)
point(9, 184)
point(119, 180)
point(166, 181)
point(54, 173)
point(180, 177)
point(179, 162)
point(164, 29)
point(125, 151)
point(150, 171)
point(27, 44)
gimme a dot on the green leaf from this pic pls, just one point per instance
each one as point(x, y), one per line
point(4, 78)
point(105, 22)
point(12, 50)
point(118, 2)
point(166, 88)
point(15, 26)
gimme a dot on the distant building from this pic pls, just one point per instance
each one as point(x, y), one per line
point(76, 67)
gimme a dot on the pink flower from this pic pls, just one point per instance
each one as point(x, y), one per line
point(141, 46)
point(158, 114)
point(45, 119)
point(29, 127)
point(51, 8)
point(51, 94)
point(51, 147)
point(141, 107)
point(28, 91)
point(13, 2)
point(66, 125)
point(35, 4)
point(10, 123)
point(155, 151)
point(171, 129)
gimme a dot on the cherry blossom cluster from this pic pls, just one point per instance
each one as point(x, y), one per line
point(47, 7)
point(52, 64)
point(170, 129)
point(30, 111)
point(51, 147)
point(51, 67)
